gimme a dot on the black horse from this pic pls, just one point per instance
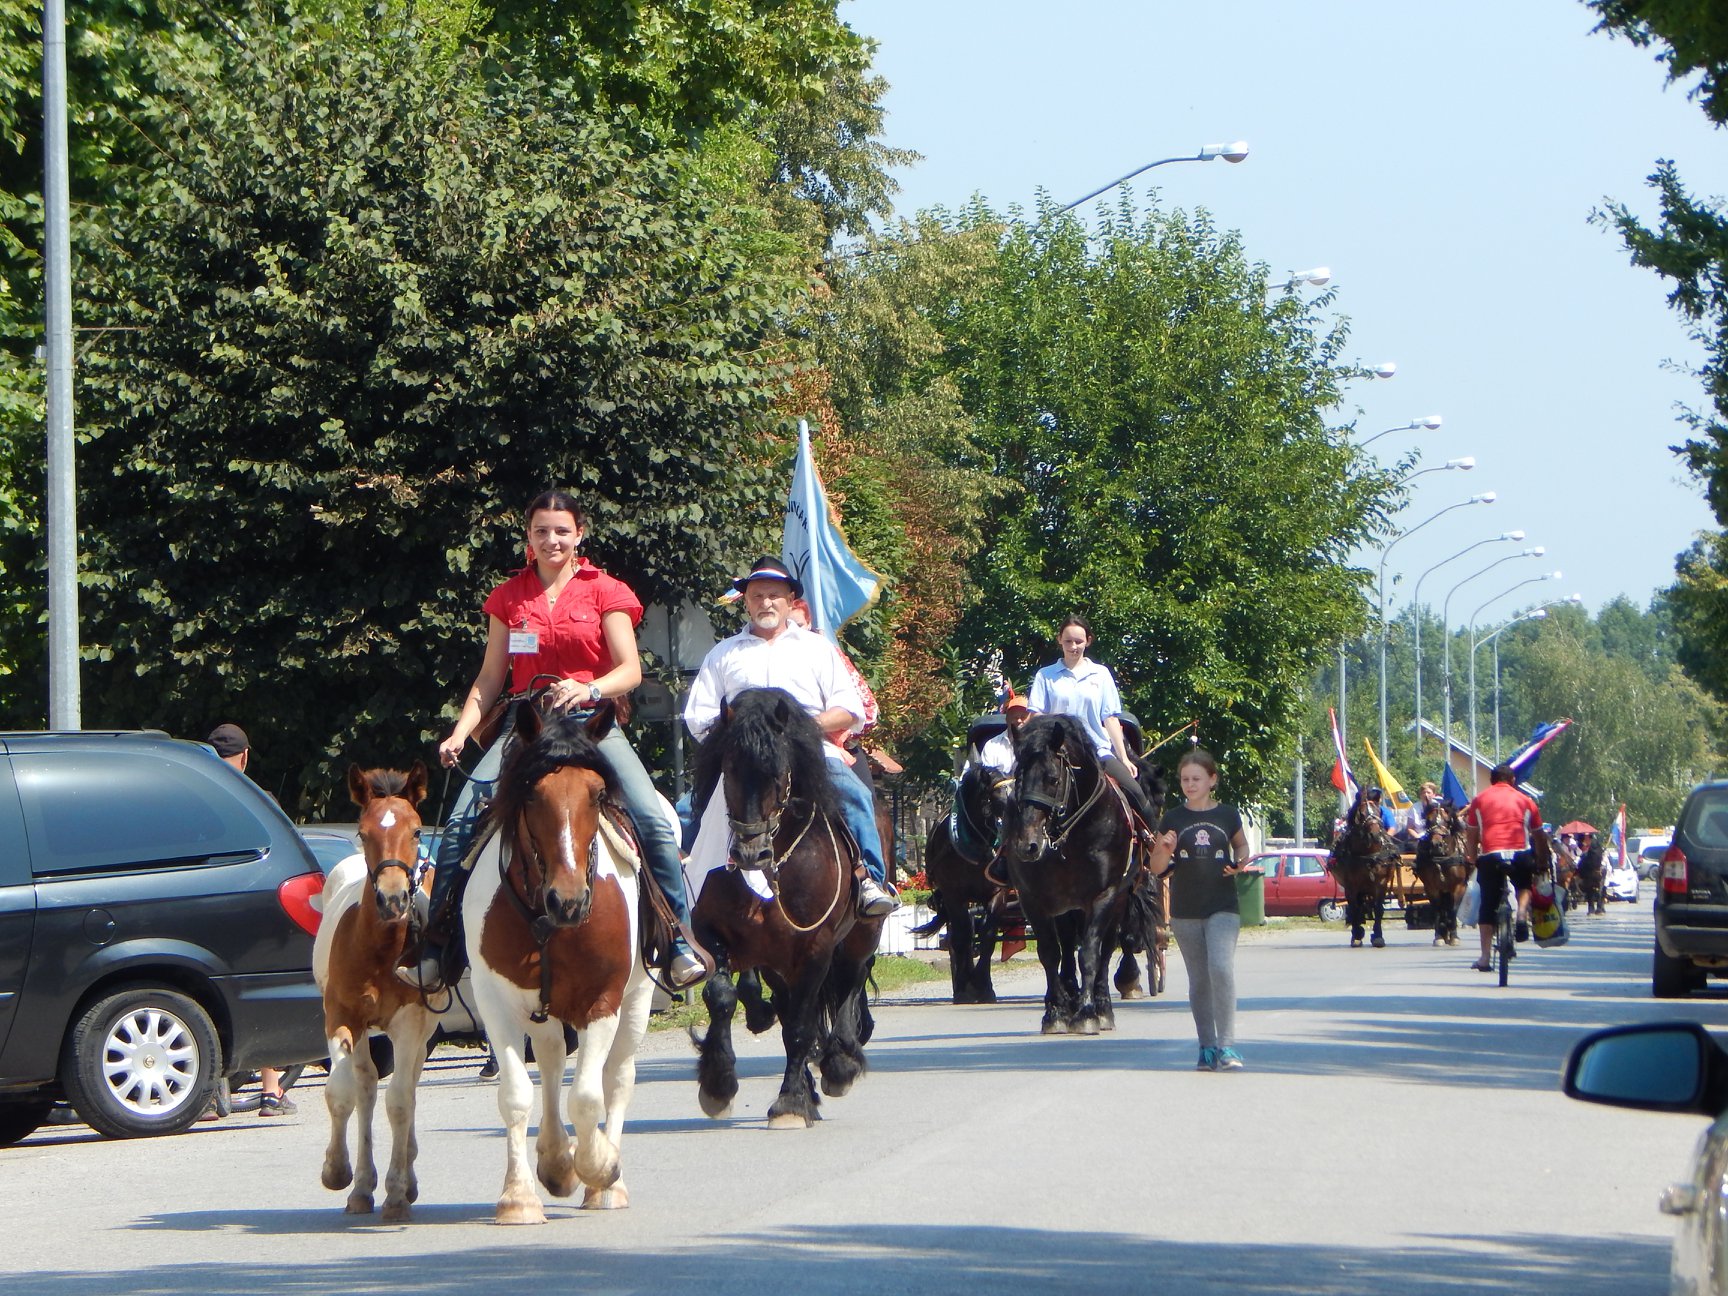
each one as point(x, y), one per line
point(1068, 841)
point(963, 897)
point(1442, 869)
point(1593, 878)
point(1364, 859)
point(809, 942)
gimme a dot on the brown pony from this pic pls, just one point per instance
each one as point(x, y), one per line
point(1442, 870)
point(808, 941)
point(551, 918)
point(1364, 859)
point(369, 909)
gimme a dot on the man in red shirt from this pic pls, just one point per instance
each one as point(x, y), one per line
point(1500, 828)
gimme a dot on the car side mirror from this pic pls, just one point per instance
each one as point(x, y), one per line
point(1666, 1066)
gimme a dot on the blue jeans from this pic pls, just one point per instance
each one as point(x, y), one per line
point(859, 814)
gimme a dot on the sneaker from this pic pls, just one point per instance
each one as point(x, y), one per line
point(277, 1105)
point(1208, 1060)
point(686, 969)
point(489, 1068)
point(1229, 1060)
point(873, 901)
point(426, 976)
point(1520, 931)
point(1482, 965)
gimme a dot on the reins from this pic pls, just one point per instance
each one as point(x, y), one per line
point(770, 827)
point(1058, 812)
point(541, 925)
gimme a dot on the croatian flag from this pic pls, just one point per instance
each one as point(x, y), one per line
point(1523, 761)
point(837, 585)
point(1619, 834)
point(1342, 779)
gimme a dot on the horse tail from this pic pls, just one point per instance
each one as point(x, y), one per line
point(1140, 921)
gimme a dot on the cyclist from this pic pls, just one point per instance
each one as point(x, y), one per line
point(1499, 834)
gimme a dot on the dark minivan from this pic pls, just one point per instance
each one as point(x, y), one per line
point(156, 929)
point(1692, 900)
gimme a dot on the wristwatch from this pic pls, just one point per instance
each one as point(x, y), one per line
point(593, 694)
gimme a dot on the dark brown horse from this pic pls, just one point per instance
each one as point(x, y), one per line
point(1442, 870)
point(1364, 859)
point(808, 942)
point(963, 898)
point(1068, 843)
point(1593, 878)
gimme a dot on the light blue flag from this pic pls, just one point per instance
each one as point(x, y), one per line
point(837, 585)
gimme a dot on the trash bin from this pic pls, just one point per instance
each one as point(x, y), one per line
point(1251, 898)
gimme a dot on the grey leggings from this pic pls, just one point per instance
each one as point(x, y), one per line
point(1208, 948)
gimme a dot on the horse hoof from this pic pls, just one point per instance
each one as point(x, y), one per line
point(396, 1213)
point(836, 1088)
point(714, 1107)
point(521, 1212)
point(1355, 942)
point(1133, 992)
point(358, 1206)
point(788, 1120)
point(617, 1197)
point(1086, 1026)
point(986, 996)
point(338, 1178)
point(1379, 942)
point(1051, 1026)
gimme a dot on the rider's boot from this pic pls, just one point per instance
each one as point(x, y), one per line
point(441, 952)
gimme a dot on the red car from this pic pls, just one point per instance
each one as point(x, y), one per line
point(1298, 884)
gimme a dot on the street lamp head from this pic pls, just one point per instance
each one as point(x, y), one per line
point(1466, 463)
point(1535, 551)
point(1486, 497)
point(1556, 575)
point(1318, 276)
point(1430, 422)
point(1511, 535)
point(1229, 152)
point(1540, 614)
point(1384, 370)
point(1574, 598)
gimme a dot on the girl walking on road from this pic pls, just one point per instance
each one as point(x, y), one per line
point(1200, 843)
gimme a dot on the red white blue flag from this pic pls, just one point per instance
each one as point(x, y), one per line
point(1342, 778)
point(1618, 834)
point(1523, 761)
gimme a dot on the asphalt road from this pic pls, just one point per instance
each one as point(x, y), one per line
point(1398, 1129)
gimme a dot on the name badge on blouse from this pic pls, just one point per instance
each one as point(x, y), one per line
point(524, 643)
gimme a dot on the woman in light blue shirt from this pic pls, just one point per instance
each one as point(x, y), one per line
point(1086, 690)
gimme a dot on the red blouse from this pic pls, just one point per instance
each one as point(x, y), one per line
point(572, 644)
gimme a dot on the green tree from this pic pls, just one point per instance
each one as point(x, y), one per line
point(1167, 470)
point(373, 303)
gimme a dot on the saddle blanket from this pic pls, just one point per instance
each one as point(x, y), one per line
point(710, 851)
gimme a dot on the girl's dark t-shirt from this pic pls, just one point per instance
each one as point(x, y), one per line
point(1198, 887)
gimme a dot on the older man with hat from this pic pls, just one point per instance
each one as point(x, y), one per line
point(774, 652)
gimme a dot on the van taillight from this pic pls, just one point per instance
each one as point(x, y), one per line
point(1674, 871)
point(298, 897)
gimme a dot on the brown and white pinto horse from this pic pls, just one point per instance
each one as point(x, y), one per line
point(551, 916)
point(1442, 869)
point(369, 907)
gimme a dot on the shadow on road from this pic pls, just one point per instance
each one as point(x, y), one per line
point(904, 1258)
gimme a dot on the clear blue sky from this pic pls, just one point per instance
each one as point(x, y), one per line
point(1443, 160)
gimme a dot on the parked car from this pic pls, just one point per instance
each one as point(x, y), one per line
point(1621, 882)
point(331, 843)
point(1647, 850)
point(1298, 884)
point(1671, 1067)
point(1692, 900)
point(155, 931)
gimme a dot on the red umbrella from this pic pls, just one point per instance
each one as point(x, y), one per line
point(1576, 826)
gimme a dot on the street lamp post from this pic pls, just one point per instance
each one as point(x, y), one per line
point(1470, 638)
point(1229, 152)
point(1416, 617)
point(1486, 497)
point(1426, 424)
point(1535, 551)
point(1536, 613)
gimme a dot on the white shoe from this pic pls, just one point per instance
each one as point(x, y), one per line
point(427, 975)
point(873, 900)
point(686, 970)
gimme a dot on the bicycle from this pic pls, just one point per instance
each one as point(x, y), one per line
point(1504, 917)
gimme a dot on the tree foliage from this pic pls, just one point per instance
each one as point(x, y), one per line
point(373, 303)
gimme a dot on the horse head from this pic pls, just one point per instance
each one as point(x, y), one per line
point(769, 755)
point(1049, 754)
point(549, 796)
point(389, 803)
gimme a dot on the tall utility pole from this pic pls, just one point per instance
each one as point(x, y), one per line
point(61, 500)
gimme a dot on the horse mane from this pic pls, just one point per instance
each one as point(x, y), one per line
point(385, 782)
point(763, 733)
point(1054, 733)
point(563, 742)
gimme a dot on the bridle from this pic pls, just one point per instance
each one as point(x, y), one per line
point(1056, 812)
point(532, 907)
point(766, 858)
point(966, 826)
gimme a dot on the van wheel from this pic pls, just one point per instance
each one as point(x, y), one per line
point(141, 1062)
point(1671, 978)
point(19, 1120)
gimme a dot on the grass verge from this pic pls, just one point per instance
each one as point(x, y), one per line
point(892, 972)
